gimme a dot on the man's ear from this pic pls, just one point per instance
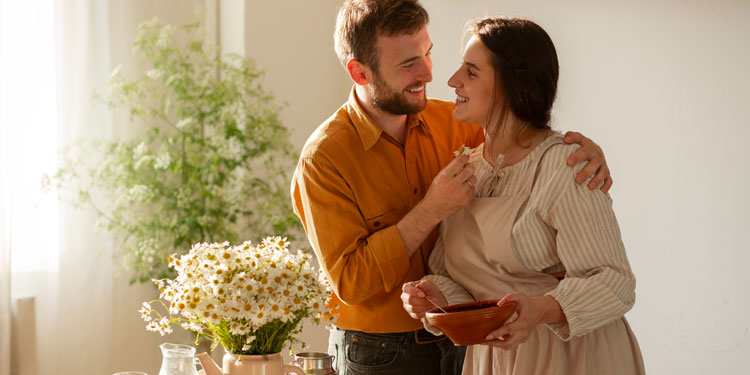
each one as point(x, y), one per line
point(358, 72)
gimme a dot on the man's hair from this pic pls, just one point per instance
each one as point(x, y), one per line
point(360, 22)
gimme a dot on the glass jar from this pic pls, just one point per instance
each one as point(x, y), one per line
point(177, 360)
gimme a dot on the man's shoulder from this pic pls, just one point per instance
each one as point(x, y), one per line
point(335, 131)
point(438, 115)
point(438, 108)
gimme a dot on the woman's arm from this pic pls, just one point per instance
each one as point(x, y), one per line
point(599, 285)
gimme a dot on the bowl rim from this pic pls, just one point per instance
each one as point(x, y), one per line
point(437, 313)
point(457, 319)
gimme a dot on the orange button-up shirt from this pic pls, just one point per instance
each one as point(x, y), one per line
point(353, 184)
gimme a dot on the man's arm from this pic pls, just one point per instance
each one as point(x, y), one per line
point(358, 264)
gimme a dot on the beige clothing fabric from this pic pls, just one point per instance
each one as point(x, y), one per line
point(530, 220)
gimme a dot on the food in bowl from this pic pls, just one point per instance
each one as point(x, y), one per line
point(469, 323)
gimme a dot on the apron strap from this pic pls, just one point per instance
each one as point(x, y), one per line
point(538, 154)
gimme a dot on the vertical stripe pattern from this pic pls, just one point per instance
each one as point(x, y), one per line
point(563, 227)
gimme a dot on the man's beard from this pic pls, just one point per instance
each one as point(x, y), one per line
point(384, 98)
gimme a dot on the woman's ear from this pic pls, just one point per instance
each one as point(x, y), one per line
point(358, 72)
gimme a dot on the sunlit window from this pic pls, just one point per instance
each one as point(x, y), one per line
point(28, 136)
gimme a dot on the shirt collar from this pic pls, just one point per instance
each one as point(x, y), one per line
point(369, 131)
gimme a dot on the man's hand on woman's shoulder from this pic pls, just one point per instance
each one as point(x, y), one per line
point(597, 165)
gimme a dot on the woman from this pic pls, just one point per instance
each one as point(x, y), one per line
point(531, 235)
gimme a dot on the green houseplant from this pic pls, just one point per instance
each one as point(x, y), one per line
point(213, 164)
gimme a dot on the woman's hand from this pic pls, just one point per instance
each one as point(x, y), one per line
point(531, 311)
point(414, 295)
point(596, 167)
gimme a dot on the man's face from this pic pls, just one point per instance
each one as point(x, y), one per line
point(398, 86)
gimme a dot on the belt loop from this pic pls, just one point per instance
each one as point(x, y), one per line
point(405, 341)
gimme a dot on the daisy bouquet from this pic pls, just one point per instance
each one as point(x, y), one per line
point(250, 298)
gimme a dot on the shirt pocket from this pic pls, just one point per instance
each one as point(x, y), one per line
point(383, 214)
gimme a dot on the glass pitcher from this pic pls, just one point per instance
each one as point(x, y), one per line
point(177, 360)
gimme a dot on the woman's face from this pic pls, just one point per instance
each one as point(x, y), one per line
point(474, 82)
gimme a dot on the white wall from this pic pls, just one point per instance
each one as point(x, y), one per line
point(663, 88)
point(293, 41)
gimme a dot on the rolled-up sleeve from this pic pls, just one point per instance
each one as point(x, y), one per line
point(358, 263)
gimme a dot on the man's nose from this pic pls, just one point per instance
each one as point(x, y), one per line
point(424, 72)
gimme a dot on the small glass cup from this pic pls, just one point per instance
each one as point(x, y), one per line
point(178, 360)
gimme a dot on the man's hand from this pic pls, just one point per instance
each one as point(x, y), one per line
point(596, 167)
point(452, 188)
point(414, 295)
point(450, 191)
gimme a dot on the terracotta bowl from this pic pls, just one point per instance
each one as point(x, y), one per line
point(469, 323)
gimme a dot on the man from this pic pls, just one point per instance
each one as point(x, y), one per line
point(375, 180)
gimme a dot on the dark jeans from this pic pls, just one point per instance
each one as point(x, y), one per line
point(407, 353)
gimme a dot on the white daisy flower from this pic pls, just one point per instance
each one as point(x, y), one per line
point(164, 324)
point(239, 329)
point(153, 326)
point(463, 150)
point(145, 312)
point(235, 329)
point(259, 316)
